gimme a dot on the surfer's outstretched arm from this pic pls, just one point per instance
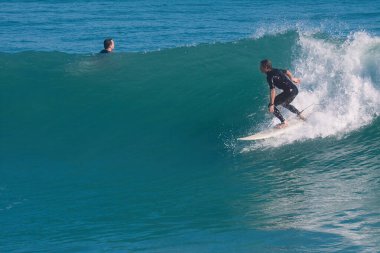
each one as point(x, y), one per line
point(293, 79)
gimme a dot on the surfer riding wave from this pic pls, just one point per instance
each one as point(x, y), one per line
point(283, 80)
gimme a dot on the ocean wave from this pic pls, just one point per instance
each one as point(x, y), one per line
point(340, 80)
point(186, 90)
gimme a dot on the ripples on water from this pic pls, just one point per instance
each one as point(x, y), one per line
point(329, 186)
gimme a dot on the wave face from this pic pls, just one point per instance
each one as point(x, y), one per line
point(140, 150)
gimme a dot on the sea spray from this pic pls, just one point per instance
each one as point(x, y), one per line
point(339, 80)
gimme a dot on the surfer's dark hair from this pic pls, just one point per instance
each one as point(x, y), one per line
point(266, 64)
point(107, 43)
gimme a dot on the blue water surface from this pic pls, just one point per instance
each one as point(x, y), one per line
point(81, 26)
point(136, 151)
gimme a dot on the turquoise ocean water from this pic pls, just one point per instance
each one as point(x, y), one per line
point(137, 151)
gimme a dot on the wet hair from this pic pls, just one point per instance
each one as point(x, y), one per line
point(266, 64)
point(107, 43)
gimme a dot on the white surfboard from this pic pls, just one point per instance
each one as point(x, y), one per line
point(273, 132)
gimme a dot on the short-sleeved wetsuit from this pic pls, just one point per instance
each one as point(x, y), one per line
point(277, 78)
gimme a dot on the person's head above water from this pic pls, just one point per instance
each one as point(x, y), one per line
point(265, 66)
point(109, 45)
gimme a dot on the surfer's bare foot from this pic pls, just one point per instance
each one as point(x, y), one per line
point(300, 116)
point(282, 125)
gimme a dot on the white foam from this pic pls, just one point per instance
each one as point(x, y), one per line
point(341, 79)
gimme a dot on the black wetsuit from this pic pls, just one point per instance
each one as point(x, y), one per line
point(277, 78)
point(104, 51)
